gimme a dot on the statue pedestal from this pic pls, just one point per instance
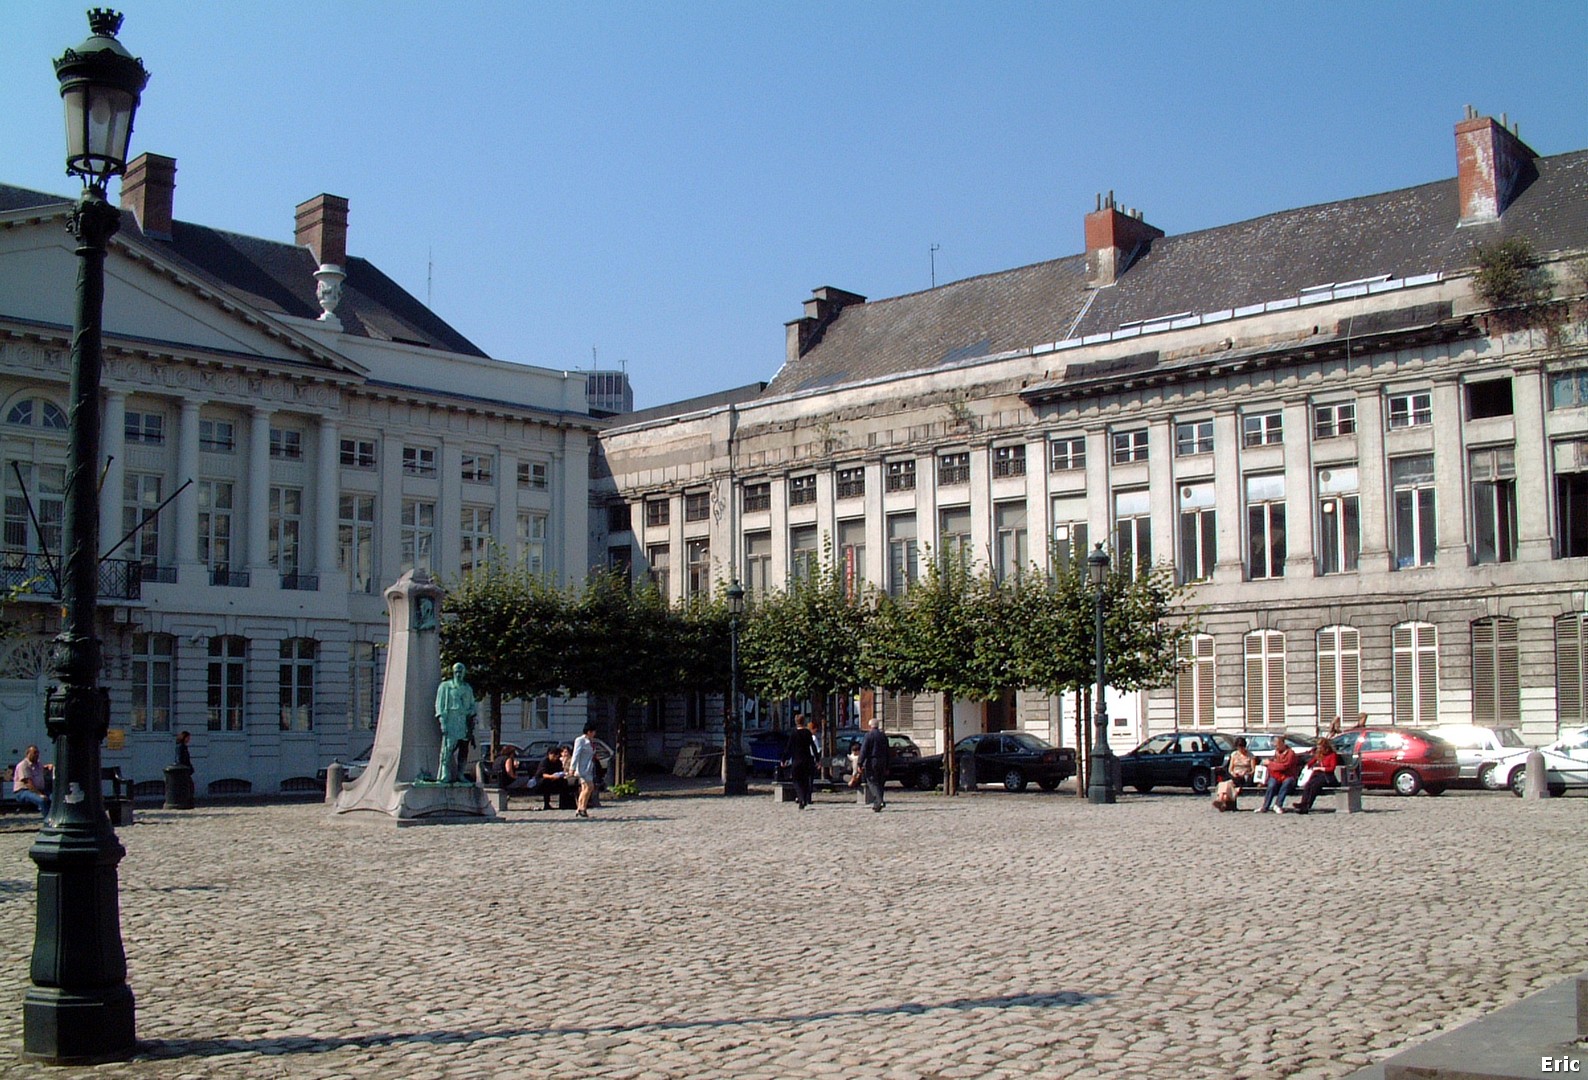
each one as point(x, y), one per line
point(422, 803)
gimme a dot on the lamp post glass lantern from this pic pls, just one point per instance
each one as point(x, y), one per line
point(79, 1008)
point(1100, 788)
point(735, 780)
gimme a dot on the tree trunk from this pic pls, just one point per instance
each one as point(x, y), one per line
point(495, 713)
point(620, 743)
point(1081, 775)
point(819, 714)
point(1085, 697)
point(950, 764)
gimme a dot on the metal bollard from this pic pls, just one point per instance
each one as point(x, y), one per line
point(333, 782)
point(1537, 785)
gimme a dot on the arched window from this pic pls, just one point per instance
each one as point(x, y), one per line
point(228, 657)
point(1415, 648)
point(1265, 679)
point(37, 412)
point(1194, 682)
point(1571, 670)
point(1496, 673)
point(1339, 674)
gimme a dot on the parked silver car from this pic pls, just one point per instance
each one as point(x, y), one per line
point(1565, 759)
point(1479, 748)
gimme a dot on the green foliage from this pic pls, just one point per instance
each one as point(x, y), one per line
point(949, 634)
point(1509, 274)
point(805, 642)
point(511, 628)
point(701, 649)
point(626, 789)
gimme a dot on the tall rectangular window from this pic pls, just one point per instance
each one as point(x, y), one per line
point(904, 566)
point(1571, 513)
point(1571, 670)
point(660, 559)
point(1009, 460)
point(1339, 674)
point(1066, 454)
point(1193, 437)
point(1414, 682)
point(901, 476)
point(478, 468)
point(802, 490)
point(697, 506)
point(1334, 420)
point(1493, 477)
point(1069, 532)
point(286, 444)
point(46, 486)
point(757, 497)
point(419, 461)
point(215, 525)
point(802, 552)
point(532, 541)
point(1489, 398)
point(1568, 389)
point(1496, 673)
point(852, 482)
point(1265, 679)
point(1265, 526)
point(953, 532)
point(355, 541)
point(1410, 410)
point(657, 513)
point(286, 528)
point(697, 564)
point(418, 533)
point(1194, 700)
point(757, 564)
point(1199, 545)
point(1339, 520)
point(953, 469)
point(1132, 532)
point(852, 554)
point(147, 428)
point(358, 453)
point(533, 475)
point(226, 681)
point(1412, 488)
point(363, 686)
point(1130, 446)
point(474, 534)
point(152, 663)
point(217, 436)
point(297, 684)
point(141, 495)
point(1010, 549)
point(1262, 429)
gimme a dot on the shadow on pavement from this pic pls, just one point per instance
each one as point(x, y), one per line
point(166, 1049)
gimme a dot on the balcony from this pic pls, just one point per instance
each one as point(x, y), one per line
point(301, 582)
point(236, 579)
point(33, 576)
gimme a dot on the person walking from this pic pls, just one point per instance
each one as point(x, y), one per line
point(30, 782)
point(801, 757)
point(1282, 769)
point(1318, 772)
point(874, 754)
point(583, 765)
point(183, 757)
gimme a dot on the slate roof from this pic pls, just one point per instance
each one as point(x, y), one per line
point(1399, 233)
point(279, 277)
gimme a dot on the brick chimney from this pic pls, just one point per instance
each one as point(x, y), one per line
point(148, 189)
point(820, 310)
point(322, 228)
point(1115, 238)
point(1493, 165)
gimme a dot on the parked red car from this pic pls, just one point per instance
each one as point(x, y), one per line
point(1407, 760)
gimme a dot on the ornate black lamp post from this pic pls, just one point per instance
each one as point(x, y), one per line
point(79, 1008)
point(1101, 788)
point(734, 780)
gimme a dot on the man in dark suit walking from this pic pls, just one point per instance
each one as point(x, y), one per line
point(874, 763)
point(801, 758)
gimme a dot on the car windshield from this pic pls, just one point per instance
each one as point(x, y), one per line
point(1510, 737)
point(1028, 741)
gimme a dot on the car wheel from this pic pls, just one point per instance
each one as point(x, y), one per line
point(1014, 780)
point(1049, 785)
point(1201, 781)
point(1434, 789)
point(1517, 782)
point(1406, 782)
point(1488, 778)
point(924, 780)
point(1144, 788)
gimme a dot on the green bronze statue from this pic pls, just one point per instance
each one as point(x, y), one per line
point(455, 712)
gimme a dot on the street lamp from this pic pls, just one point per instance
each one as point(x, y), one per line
point(79, 1008)
point(734, 780)
point(1100, 788)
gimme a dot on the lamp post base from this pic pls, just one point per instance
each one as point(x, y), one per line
point(1100, 789)
point(735, 777)
point(74, 1027)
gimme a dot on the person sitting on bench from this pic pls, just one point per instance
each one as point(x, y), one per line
point(30, 783)
point(550, 778)
point(508, 778)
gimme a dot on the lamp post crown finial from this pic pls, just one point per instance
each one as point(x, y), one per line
point(104, 22)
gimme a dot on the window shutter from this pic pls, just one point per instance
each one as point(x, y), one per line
point(1276, 680)
point(1204, 648)
point(1427, 675)
point(1483, 711)
point(1569, 668)
point(1328, 671)
point(1401, 645)
point(1254, 681)
point(1350, 674)
point(1185, 678)
point(1508, 673)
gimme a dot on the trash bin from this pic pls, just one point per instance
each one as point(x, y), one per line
point(967, 772)
point(179, 787)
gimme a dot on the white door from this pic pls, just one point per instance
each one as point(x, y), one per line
point(24, 674)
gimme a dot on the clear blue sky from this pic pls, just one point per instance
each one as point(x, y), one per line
point(666, 182)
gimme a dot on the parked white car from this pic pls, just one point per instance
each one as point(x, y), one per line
point(1479, 748)
point(1565, 759)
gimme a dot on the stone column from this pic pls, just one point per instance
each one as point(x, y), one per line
point(1374, 483)
point(1099, 504)
point(1299, 544)
point(1160, 486)
point(1532, 466)
point(1229, 497)
point(186, 505)
point(1450, 500)
point(258, 528)
point(327, 483)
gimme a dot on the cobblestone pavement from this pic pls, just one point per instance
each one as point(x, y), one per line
point(992, 935)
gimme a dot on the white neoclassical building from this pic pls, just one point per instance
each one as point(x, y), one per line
point(294, 431)
point(1376, 484)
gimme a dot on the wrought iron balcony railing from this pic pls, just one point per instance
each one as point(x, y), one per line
point(32, 575)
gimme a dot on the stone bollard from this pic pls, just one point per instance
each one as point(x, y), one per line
point(501, 799)
point(333, 782)
point(1537, 785)
point(178, 787)
point(782, 791)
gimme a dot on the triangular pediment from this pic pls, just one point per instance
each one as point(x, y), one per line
point(149, 298)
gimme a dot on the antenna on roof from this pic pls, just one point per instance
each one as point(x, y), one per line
point(931, 253)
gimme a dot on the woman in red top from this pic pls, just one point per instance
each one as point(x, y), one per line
point(1282, 770)
point(1324, 762)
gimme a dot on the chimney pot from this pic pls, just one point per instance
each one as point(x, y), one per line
point(149, 190)
point(322, 228)
point(1115, 237)
point(1493, 165)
